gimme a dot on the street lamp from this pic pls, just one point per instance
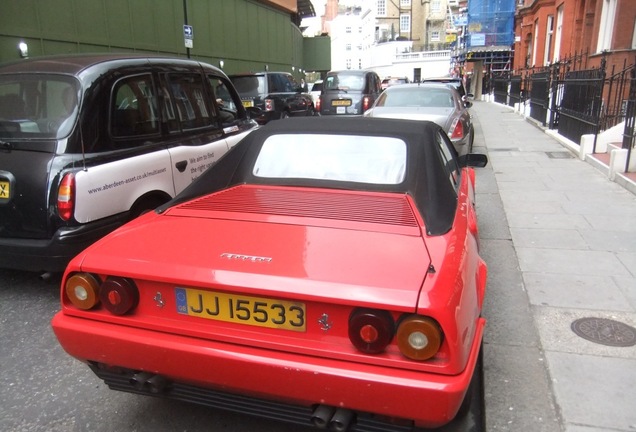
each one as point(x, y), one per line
point(23, 49)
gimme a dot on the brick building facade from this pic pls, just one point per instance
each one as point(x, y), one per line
point(547, 31)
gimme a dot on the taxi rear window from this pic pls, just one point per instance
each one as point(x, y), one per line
point(37, 105)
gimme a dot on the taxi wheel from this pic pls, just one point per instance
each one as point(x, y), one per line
point(145, 205)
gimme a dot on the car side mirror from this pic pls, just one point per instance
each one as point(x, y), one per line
point(473, 160)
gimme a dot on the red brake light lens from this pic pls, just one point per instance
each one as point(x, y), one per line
point(419, 337)
point(366, 103)
point(82, 289)
point(119, 295)
point(66, 197)
point(370, 331)
point(318, 103)
point(457, 130)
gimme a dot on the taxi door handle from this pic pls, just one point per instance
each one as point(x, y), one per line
point(181, 165)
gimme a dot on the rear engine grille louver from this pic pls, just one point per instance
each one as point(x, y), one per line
point(355, 207)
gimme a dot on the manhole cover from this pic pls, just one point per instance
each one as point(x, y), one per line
point(605, 331)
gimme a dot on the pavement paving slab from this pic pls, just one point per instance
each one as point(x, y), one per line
point(559, 240)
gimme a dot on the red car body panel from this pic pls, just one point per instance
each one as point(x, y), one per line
point(431, 400)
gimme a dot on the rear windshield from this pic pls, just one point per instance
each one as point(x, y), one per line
point(249, 86)
point(316, 87)
point(37, 105)
point(344, 81)
point(350, 158)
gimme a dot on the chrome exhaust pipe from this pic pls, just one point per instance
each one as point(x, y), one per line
point(140, 380)
point(321, 416)
point(341, 420)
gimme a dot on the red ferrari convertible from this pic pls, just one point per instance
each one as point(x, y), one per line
point(324, 272)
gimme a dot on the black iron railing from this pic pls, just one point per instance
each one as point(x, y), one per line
point(573, 99)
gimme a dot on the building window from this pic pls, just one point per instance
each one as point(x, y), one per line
point(360, 29)
point(435, 36)
point(405, 3)
point(359, 63)
point(348, 47)
point(549, 32)
point(606, 29)
point(348, 29)
point(559, 31)
point(348, 63)
point(436, 6)
point(381, 7)
point(405, 23)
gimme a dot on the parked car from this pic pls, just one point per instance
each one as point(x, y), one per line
point(434, 102)
point(349, 92)
point(455, 82)
point(316, 89)
point(277, 94)
point(391, 81)
point(325, 268)
point(90, 142)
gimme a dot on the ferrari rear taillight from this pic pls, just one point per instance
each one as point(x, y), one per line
point(371, 330)
point(119, 295)
point(456, 130)
point(366, 103)
point(82, 289)
point(66, 197)
point(419, 337)
point(269, 105)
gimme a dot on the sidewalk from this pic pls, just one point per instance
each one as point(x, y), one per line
point(560, 242)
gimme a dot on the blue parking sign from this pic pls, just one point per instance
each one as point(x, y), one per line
point(188, 32)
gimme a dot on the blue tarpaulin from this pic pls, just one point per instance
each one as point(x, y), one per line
point(490, 23)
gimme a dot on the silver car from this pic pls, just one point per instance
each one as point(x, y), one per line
point(433, 102)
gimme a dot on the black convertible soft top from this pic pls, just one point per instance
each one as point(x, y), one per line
point(425, 180)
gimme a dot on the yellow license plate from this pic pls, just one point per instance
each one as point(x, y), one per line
point(345, 102)
point(248, 104)
point(5, 192)
point(241, 309)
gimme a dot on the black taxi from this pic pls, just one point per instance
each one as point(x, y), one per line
point(88, 142)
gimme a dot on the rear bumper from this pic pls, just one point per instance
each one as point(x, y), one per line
point(53, 254)
point(428, 400)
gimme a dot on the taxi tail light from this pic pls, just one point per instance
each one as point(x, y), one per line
point(318, 103)
point(419, 337)
point(269, 105)
point(456, 130)
point(366, 103)
point(82, 289)
point(119, 295)
point(66, 197)
point(370, 330)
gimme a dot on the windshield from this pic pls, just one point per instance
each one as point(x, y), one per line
point(249, 86)
point(360, 159)
point(37, 105)
point(344, 81)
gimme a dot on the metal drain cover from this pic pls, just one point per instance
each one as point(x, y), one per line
point(559, 155)
point(605, 331)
